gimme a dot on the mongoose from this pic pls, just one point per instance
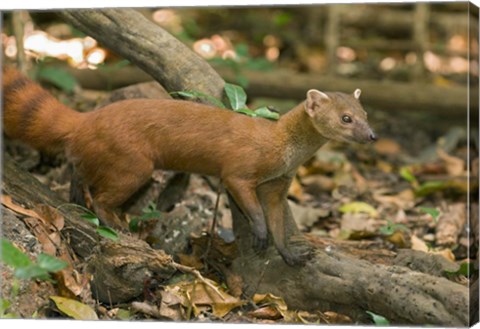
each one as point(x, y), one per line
point(116, 148)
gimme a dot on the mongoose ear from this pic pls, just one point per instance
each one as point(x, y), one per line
point(357, 93)
point(314, 99)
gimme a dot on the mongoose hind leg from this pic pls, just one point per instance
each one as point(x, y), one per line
point(116, 187)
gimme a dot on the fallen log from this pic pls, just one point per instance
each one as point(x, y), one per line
point(333, 280)
point(346, 284)
point(394, 20)
point(447, 102)
point(120, 268)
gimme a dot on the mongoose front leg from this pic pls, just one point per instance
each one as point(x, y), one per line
point(245, 196)
point(288, 240)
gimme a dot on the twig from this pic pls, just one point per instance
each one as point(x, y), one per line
point(198, 275)
point(214, 221)
point(190, 299)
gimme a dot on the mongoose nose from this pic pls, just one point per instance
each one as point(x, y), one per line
point(373, 137)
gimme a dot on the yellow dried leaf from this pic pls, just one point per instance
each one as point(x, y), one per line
point(357, 206)
point(74, 309)
point(418, 244)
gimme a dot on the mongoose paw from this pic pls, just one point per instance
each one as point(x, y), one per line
point(297, 256)
point(260, 238)
point(260, 243)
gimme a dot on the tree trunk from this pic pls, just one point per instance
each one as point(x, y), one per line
point(134, 37)
point(330, 280)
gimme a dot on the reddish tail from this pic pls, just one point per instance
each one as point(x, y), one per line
point(33, 115)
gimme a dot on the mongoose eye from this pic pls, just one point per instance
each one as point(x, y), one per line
point(347, 119)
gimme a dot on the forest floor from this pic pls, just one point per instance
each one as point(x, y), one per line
point(407, 191)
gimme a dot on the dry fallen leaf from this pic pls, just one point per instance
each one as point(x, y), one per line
point(403, 200)
point(196, 294)
point(418, 244)
point(315, 184)
point(170, 306)
point(276, 302)
point(385, 166)
point(333, 317)
point(50, 215)
point(387, 146)
point(296, 190)
point(305, 217)
point(455, 166)
point(357, 226)
point(266, 312)
point(398, 238)
point(8, 202)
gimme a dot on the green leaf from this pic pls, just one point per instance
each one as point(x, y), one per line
point(282, 19)
point(50, 263)
point(465, 269)
point(391, 228)
point(150, 207)
point(74, 309)
point(431, 187)
point(58, 77)
point(378, 319)
point(242, 80)
point(198, 95)
point(149, 212)
point(357, 206)
point(107, 232)
point(4, 305)
point(242, 50)
point(431, 211)
point(259, 64)
point(91, 218)
point(248, 112)
point(266, 113)
point(124, 315)
point(32, 271)
point(12, 256)
point(236, 96)
point(406, 173)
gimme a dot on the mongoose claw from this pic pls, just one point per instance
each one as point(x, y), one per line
point(297, 256)
point(260, 243)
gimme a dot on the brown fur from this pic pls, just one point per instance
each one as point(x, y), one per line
point(117, 147)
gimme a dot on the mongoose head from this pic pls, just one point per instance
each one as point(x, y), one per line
point(338, 116)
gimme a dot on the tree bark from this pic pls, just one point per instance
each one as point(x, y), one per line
point(331, 280)
point(132, 36)
point(120, 268)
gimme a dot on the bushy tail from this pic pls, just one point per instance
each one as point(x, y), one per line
point(33, 115)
